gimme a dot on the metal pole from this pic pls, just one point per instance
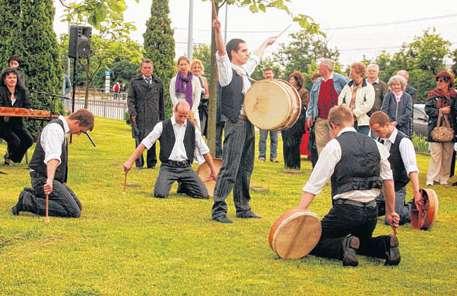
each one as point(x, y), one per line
point(191, 29)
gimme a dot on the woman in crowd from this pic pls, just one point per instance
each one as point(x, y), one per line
point(291, 137)
point(358, 95)
point(398, 105)
point(442, 99)
point(185, 85)
point(12, 130)
point(198, 70)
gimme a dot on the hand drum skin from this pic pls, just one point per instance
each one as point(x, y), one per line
point(294, 234)
point(272, 104)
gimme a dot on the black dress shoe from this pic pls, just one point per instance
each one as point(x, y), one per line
point(223, 219)
point(350, 246)
point(392, 252)
point(15, 211)
point(247, 215)
point(18, 207)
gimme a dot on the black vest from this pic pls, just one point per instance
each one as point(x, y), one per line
point(396, 163)
point(167, 141)
point(37, 163)
point(359, 167)
point(232, 98)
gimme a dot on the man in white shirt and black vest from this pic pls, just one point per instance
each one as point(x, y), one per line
point(358, 167)
point(49, 168)
point(179, 141)
point(234, 66)
point(402, 161)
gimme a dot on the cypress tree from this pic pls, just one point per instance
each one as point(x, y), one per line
point(159, 46)
point(37, 45)
point(9, 24)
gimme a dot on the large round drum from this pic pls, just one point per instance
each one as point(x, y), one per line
point(422, 217)
point(272, 104)
point(294, 234)
point(204, 172)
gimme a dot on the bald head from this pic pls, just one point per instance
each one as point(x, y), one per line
point(181, 111)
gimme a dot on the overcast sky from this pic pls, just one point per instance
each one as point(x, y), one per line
point(355, 27)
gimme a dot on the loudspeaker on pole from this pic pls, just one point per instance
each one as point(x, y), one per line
point(79, 41)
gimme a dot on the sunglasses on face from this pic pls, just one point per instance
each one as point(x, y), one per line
point(442, 79)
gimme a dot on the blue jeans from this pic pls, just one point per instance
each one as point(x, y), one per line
point(273, 144)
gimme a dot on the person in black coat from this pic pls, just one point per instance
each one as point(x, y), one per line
point(12, 130)
point(146, 108)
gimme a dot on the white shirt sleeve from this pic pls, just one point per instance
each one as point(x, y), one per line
point(196, 93)
point(52, 138)
point(200, 144)
point(153, 136)
point(224, 69)
point(325, 166)
point(251, 64)
point(386, 171)
point(408, 155)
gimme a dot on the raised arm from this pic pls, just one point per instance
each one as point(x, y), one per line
point(220, 46)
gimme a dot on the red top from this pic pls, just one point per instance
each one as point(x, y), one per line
point(328, 97)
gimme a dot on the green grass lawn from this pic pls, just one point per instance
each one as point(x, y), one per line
point(133, 244)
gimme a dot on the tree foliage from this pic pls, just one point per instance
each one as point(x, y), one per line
point(423, 58)
point(159, 46)
point(203, 53)
point(9, 25)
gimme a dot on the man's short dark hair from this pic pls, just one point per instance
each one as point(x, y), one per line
point(85, 118)
point(14, 58)
point(233, 44)
point(380, 118)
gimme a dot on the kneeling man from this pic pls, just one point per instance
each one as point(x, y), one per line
point(179, 140)
point(402, 161)
point(358, 167)
point(49, 168)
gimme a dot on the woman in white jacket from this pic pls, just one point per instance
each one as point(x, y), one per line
point(358, 95)
point(186, 86)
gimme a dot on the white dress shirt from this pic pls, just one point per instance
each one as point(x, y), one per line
point(325, 166)
point(407, 152)
point(178, 153)
point(52, 138)
point(225, 73)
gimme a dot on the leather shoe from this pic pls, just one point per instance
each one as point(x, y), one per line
point(350, 245)
point(222, 219)
point(18, 207)
point(247, 215)
point(392, 251)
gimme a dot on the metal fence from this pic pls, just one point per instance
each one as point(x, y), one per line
point(114, 109)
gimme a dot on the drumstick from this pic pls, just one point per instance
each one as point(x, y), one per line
point(283, 31)
point(395, 230)
point(46, 217)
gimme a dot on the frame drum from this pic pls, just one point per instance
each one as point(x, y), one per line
point(294, 234)
point(423, 217)
point(204, 172)
point(272, 104)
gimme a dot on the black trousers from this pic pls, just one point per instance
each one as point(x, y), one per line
point(345, 219)
point(18, 140)
point(189, 182)
point(291, 139)
point(151, 156)
point(63, 202)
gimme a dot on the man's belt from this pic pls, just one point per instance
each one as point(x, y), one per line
point(343, 201)
point(177, 164)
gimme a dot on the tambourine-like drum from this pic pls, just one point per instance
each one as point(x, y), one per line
point(422, 217)
point(204, 172)
point(272, 104)
point(294, 234)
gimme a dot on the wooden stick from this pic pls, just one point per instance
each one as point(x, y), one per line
point(213, 4)
point(46, 217)
point(395, 230)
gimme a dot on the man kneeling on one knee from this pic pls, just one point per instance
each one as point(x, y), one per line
point(179, 141)
point(49, 168)
point(357, 166)
point(402, 161)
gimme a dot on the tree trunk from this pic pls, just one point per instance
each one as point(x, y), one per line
point(88, 80)
point(212, 91)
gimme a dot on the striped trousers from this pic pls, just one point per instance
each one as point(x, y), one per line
point(237, 167)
